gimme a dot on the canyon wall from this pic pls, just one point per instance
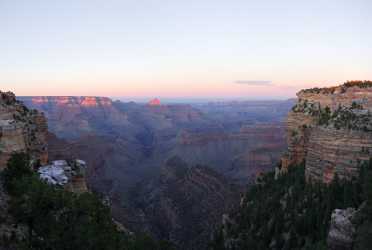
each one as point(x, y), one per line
point(240, 155)
point(74, 116)
point(21, 130)
point(330, 129)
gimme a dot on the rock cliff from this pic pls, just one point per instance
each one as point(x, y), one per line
point(21, 130)
point(25, 130)
point(342, 230)
point(330, 129)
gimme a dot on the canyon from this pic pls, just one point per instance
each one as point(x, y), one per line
point(176, 171)
point(127, 147)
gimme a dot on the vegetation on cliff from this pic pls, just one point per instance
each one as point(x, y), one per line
point(58, 219)
point(342, 88)
point(360, 84)
point(352, 118)
point(288, 213)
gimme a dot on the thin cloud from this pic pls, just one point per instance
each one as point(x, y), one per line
point(254, 82)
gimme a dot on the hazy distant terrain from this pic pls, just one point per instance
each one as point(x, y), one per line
point(127, 145)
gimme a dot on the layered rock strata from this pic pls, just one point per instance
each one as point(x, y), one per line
point(331, 130)
point(74, 116)
point(21, 130)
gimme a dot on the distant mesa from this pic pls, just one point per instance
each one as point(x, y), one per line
point(83, 101)
point(154, 102)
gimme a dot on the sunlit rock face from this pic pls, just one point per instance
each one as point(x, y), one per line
point(21, 130)
point(331, 130)
point(154, 102)
point(343, 95)
point(84, 101)
point(72, 116)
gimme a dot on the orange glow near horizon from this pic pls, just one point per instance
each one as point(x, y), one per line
point(164, 90)
point(177, 83)
point(190, 86)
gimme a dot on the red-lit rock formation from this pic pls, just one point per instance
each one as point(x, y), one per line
point(84, 101)
point(154, 102)
point(70, 116)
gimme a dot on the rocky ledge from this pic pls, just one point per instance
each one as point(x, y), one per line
point(330, 130)
point(69, 174)
point(21, 130)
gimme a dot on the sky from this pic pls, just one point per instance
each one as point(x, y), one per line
point(182, 49)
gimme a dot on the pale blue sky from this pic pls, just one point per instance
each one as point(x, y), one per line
point(182, 48)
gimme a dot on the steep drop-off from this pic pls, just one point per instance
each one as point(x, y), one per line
point(330, 129)
point(21, 130)
point(184, 205)
point(128, 155)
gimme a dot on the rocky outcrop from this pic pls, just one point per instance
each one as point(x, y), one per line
point(330, 129)
point(342, 230)
point(359, 92)
point(24, 130)
point(21, 130)
point(70, 175)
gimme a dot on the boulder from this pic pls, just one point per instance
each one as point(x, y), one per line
point(70, 175)
point(342, 231)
